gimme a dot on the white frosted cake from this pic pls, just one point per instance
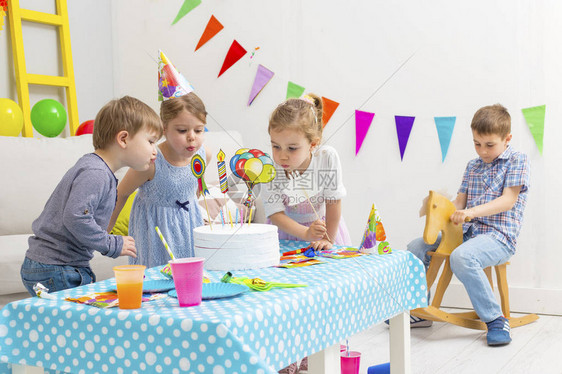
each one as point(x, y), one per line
point(248, 247)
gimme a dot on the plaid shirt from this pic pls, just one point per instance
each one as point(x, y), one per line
point(485, 182)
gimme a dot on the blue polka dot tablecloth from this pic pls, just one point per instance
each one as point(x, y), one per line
point(255, 332)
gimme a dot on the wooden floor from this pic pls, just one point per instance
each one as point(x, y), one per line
point(445, 348)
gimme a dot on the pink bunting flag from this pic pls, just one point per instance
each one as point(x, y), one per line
point(363, 121)
point(234, 54)
point(263, 76)
point(403, 128)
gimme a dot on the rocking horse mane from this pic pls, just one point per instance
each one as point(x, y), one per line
point(438, 213)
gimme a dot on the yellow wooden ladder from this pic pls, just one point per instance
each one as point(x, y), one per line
point(23, 79)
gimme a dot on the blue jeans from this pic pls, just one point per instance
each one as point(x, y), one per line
point(468, 261)
point(54, 277)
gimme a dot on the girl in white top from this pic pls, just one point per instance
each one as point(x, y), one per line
point(304, 200)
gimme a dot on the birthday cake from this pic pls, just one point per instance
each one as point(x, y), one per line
point(237, 248)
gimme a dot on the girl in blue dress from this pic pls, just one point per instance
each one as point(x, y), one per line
point(167, 191)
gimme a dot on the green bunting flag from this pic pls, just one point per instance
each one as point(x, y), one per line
point(188, 6)
point(294, 90)
point(535, 120)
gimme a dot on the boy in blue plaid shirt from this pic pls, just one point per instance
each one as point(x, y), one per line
point(493, 194)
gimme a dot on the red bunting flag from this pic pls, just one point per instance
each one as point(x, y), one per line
point(234, 54)
point(212, 29)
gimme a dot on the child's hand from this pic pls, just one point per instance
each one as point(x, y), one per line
point(461, 216)
point(129, 248)
point(321, 245)
point(316, 231)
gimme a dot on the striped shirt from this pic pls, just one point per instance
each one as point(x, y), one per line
point(484, 182)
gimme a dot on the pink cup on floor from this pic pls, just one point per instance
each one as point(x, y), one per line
point(188, 279)
point(350, 363)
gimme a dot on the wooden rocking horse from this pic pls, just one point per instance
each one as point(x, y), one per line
point(438, 212)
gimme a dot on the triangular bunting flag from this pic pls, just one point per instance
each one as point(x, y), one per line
point(263, 76)
point(329, 107)
point(212, 29)
point(403, 128)
point(234, 54)
point(188, 6)
point(445, 126)
point(294, 90)
point(362, 123)
point(535, 120)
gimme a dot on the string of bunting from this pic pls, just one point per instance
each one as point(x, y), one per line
point(534, 116)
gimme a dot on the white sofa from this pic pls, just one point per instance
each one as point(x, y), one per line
point(30, 168)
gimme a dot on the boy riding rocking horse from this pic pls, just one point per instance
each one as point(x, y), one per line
point(492, 196)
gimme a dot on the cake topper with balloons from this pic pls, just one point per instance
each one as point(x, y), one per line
point(252, 166)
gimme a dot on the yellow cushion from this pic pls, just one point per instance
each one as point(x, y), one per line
point(122, 224)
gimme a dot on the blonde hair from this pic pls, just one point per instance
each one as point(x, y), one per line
point(304, 115)
point(169, 109)
point(124, 114)
point(492, 119)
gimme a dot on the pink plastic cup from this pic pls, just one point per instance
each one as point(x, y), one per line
point(188, 279)
point(350, 363)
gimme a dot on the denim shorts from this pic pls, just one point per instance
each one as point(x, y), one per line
point(54, 277)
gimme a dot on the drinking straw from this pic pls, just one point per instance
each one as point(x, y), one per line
point(347, 347)
point(164, 242)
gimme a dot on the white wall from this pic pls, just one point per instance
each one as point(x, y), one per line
point(466, 55)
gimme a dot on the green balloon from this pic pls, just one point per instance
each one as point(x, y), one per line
point(48, 117)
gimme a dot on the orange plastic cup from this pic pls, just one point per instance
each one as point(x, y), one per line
point(129, 285)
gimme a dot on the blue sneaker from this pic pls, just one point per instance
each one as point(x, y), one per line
point(499, 332)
